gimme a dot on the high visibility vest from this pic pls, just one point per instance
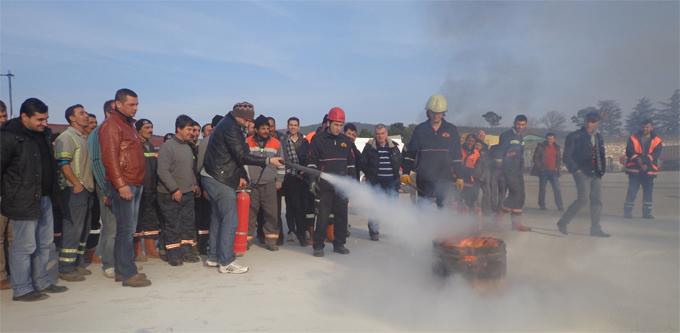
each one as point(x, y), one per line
point(469, 160)
point(271, 147)
point(310, 136)
point(633, 166)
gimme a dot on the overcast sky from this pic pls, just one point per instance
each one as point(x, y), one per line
point(378, 60)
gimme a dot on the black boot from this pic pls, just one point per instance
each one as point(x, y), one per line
point(175, 257)
point(340, 249)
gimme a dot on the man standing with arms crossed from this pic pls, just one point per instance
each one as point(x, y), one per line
point(123, 158)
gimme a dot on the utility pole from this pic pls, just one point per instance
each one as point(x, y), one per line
point(9, 76)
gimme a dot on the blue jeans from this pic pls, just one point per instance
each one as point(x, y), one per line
point(223, 220)
point(391, 189)
point(107, 235)
point(126, 212)
point(29, 254)
point(553, 178)
point(634, 184)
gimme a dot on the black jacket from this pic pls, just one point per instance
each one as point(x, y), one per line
point(370, 160)
point(228, 152)
point(22, 170)
point(434, 156)
point(579, 154)
point(151, 166)
point(332, 154)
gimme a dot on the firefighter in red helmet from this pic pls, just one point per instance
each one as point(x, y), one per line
point(331, 153)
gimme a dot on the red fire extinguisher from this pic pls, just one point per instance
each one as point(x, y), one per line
point(242, 209)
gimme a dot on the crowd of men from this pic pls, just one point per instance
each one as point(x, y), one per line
point(179, 200)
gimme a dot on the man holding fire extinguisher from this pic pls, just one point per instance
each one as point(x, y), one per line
point(223, 172)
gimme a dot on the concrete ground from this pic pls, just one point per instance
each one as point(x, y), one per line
point(628, 282)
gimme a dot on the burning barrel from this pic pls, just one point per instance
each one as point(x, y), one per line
point(478, 259)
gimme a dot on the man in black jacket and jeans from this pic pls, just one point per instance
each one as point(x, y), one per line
point(584, 157)
point(29, 179)
point(221, 175)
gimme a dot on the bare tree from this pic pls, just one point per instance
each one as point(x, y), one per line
point(553, 121)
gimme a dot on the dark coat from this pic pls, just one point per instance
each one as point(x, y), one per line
point(370, 160)
point(21, 172)
point(227, 153)
point(578, 154)
point(434, 156)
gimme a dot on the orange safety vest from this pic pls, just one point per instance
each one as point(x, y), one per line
point(632, 165)
point(271, 147)
point(469, 160)
point(310, 135)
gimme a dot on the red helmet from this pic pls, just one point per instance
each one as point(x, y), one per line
point(336, 114)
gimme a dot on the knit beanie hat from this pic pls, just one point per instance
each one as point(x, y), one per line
point(244, 110)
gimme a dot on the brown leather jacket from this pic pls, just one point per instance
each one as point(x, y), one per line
point(122, 151)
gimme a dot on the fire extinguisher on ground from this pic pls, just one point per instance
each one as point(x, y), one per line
point(242, 209)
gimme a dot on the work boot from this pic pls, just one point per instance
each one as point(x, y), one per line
point(318, 252)
point(71, 277)
point(175, 257)
point(54, 289)
point(562, 227)
point(271, 245)
point(83, 271)
point(190, 256)
point(119, 278)
point(150, 248)
point(91, 257)
point(599, 233)
point(5, 284)
point(136, 281)
point(139, 253)
point(31, 297)
point(517, 223)
point(340, 249)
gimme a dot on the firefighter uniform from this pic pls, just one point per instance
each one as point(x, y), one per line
point(509, 156)
point(435, 157)
point(148, 225)
point(641, 166)
point(331, 154)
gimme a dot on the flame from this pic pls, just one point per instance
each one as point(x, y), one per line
point(473, 242)
point(477, 242)
point(469, 259)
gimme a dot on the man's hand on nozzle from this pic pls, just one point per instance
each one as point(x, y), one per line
point(276, 161)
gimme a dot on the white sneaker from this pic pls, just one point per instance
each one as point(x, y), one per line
point(291, 237)
point(233, 268)
point(109, 272)
point(211, 263)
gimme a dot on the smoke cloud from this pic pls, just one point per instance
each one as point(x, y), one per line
point(531, 57)
point(550, 285)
